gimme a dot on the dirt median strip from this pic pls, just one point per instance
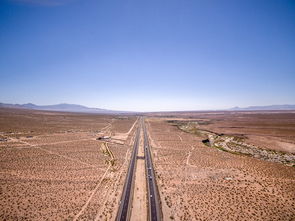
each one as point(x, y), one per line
point(139, 202)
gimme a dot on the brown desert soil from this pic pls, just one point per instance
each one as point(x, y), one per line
point(197, 182)
point(139, 202)
point(53, 168)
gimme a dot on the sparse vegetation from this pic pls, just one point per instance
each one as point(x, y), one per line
point(199, 182)
point(237, 145)
point(50, 172)
point(62, 161)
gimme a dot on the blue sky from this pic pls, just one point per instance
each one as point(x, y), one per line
point(148, 55)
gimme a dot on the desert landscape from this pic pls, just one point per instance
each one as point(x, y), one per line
point(53, 167)
point(205, 181)
point(147, 110)
point(208, 165)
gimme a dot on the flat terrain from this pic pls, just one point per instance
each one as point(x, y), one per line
point(53, 168)
point(139, 202)
point(202, 182)
point(271, 130)
point(209, 165)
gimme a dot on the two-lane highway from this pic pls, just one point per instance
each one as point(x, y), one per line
point(154, 204)
point(125, 203)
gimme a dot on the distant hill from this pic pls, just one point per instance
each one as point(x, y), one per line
point(270, 107)
point(62, 107)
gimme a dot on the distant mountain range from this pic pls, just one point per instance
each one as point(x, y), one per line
point(83, 109)
point(270, 107)
point(62, 107)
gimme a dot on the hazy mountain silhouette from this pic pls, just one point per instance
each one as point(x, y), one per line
point(269, 107)
point(61, 107)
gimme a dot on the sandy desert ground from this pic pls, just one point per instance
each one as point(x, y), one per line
point(202, 182)
point(209, 166)
point(54, 168)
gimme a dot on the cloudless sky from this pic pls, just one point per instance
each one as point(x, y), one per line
point(148, 55)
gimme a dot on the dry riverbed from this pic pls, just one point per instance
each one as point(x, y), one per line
point(237, 145)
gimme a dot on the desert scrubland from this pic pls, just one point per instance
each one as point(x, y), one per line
point(202, 177)
point(54, 168)
point(209, 165)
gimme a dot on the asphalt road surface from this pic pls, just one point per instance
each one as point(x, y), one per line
point(153, 198)
point(154, 205)
point(125, 203)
